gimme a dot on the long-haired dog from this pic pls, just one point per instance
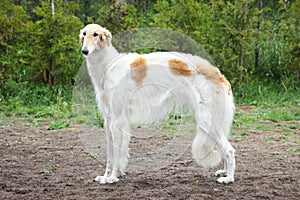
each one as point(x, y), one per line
point(129, 86)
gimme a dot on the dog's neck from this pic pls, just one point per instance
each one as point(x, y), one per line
point(99, 60)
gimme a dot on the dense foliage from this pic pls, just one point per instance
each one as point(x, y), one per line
point(249, 40)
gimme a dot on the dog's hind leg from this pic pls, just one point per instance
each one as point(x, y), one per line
point(222, 172)
point(124, 154)
point(222, 123)
point(229, 161)
point(214, 116)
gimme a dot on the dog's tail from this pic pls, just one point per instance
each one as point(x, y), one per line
point(205, 152)
point(217, 121)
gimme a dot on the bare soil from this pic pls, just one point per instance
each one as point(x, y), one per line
point(37, 163)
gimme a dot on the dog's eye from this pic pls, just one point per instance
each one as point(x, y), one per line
point(84, 33)
point(96, 34)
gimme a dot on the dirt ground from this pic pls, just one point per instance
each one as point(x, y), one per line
point(37, 163)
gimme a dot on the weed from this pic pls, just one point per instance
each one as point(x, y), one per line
point(170, 135)
point(263, 126)
point(196, 182)
point(58, 124)
point(269, 139)
point(89, 154)
point(158, 152)
point(239, 133)
point(285, 136)
point(171, 153)
point(100, 120)
point(48, 170)
point(294, 149)
point(276, 153)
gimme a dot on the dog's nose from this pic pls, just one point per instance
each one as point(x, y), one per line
point(85, 51)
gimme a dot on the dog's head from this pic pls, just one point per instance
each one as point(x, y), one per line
point(94, 37)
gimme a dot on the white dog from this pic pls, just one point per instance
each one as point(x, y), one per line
point(134, 88)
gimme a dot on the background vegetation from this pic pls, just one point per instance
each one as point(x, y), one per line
point(255, 43)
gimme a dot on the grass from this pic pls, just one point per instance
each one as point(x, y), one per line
point(259, 92)
point(36, 105)
point(267, 118)
point(274, 106)
point(58, 124)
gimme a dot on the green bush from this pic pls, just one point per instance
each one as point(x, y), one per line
point(256, 47)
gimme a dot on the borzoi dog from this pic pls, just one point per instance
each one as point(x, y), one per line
point(128, 85)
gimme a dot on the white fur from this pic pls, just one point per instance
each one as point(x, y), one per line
point(122, 101)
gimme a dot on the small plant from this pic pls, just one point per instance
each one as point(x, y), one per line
point(239, 133)
point(171, 153)
point(276, 153)
point(170, 135)
point(100, 120)
point(89, 154)
point(268, 139)
point(48, 170)
point(59, 124)
point(196, 182)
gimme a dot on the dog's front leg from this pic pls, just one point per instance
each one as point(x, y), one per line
point(114, 142)
point(115, 147)
point(109, 161)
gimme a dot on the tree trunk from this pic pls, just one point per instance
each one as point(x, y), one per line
point(86, 6)
point(244, 27)
point(50, 70)
point(17, 2)
point(52, 7)
point(256, 51)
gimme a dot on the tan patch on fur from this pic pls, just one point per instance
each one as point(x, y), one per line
point(179, 67)
point(214, 75)
point(139, 69)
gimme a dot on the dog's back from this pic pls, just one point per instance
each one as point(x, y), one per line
point(150, 85)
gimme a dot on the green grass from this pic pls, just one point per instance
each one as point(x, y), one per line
point(59, 124)
point(239, 132)
point(262, 93)
point(275, 106)
point(36, 105)
point(267, 118)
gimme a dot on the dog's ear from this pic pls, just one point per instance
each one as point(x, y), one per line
point(105, 38)
point(81, 37)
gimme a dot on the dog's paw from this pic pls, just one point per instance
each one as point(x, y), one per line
point(101, 179)
point(225, 180)
point(112, 179)
point(221, 172)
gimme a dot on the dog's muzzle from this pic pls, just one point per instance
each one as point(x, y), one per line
point(85, 51)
